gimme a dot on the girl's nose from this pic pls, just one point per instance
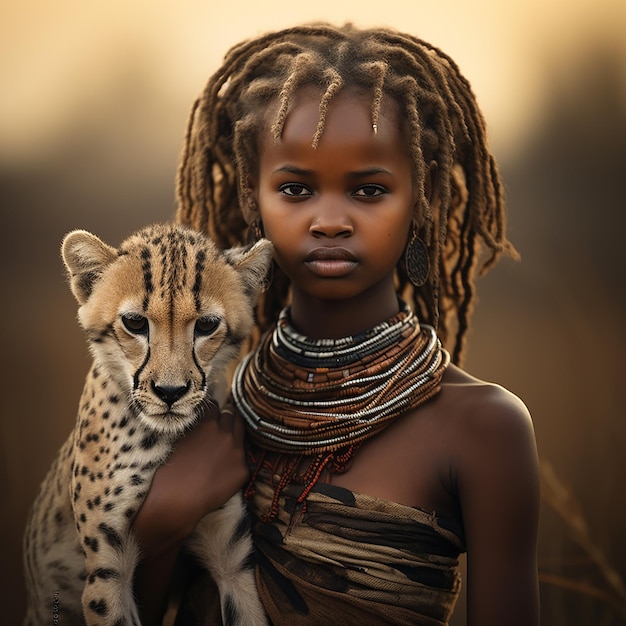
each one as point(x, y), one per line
point(331, 222)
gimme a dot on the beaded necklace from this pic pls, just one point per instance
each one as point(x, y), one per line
point(321, 398)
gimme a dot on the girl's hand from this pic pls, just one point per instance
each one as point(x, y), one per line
point(206, 468)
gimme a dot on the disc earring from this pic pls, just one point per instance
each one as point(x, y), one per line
point(416, 260)
point(255, 231)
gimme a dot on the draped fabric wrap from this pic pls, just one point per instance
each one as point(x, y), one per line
point(347, 559)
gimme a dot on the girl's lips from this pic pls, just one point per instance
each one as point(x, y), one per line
point(329, 262)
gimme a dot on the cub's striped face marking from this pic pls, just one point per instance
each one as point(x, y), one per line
point(163, 311)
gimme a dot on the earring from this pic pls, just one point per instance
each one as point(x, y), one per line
point(255, 231)
point(416, 260)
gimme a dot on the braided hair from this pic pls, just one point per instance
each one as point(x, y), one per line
point(464, 231)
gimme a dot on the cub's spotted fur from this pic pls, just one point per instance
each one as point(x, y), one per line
point(164, 314)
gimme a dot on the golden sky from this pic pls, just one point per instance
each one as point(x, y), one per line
point(62, 61)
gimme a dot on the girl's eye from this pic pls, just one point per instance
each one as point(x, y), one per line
point(135, 324)
point(295, 190)
point(370, 191)
point(206, 326)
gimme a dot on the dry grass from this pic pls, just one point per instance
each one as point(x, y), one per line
point(604, 585)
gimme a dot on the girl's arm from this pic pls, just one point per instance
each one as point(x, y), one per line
point(205, 469)
point(498, 484)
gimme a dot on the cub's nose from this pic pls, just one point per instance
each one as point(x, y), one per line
point(170, 393)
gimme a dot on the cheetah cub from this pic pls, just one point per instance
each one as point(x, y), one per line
point(164, 315)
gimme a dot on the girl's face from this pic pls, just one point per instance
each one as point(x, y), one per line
point(338, 214)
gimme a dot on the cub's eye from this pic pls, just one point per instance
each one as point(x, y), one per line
point(206, 326)
point(135, 324)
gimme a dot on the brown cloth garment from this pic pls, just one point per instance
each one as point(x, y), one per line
point(345, 558)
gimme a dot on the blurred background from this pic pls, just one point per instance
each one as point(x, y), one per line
point(94, 101)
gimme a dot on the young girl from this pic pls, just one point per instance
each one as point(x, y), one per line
point(373, 460)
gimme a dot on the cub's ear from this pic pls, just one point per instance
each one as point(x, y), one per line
point(85, 257)
point(252, 264)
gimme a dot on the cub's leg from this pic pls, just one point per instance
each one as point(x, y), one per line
point(54, 565)
point(111, 555)
point(107, 597)
point(223, 543)
point(104, 508)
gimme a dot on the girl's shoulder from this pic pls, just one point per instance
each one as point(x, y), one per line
point(448, 445)
point(485, 424)
point(471, 427)
point(495, 454)
point(477, 405)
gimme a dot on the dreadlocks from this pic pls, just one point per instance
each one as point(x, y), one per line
point(464, 235)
